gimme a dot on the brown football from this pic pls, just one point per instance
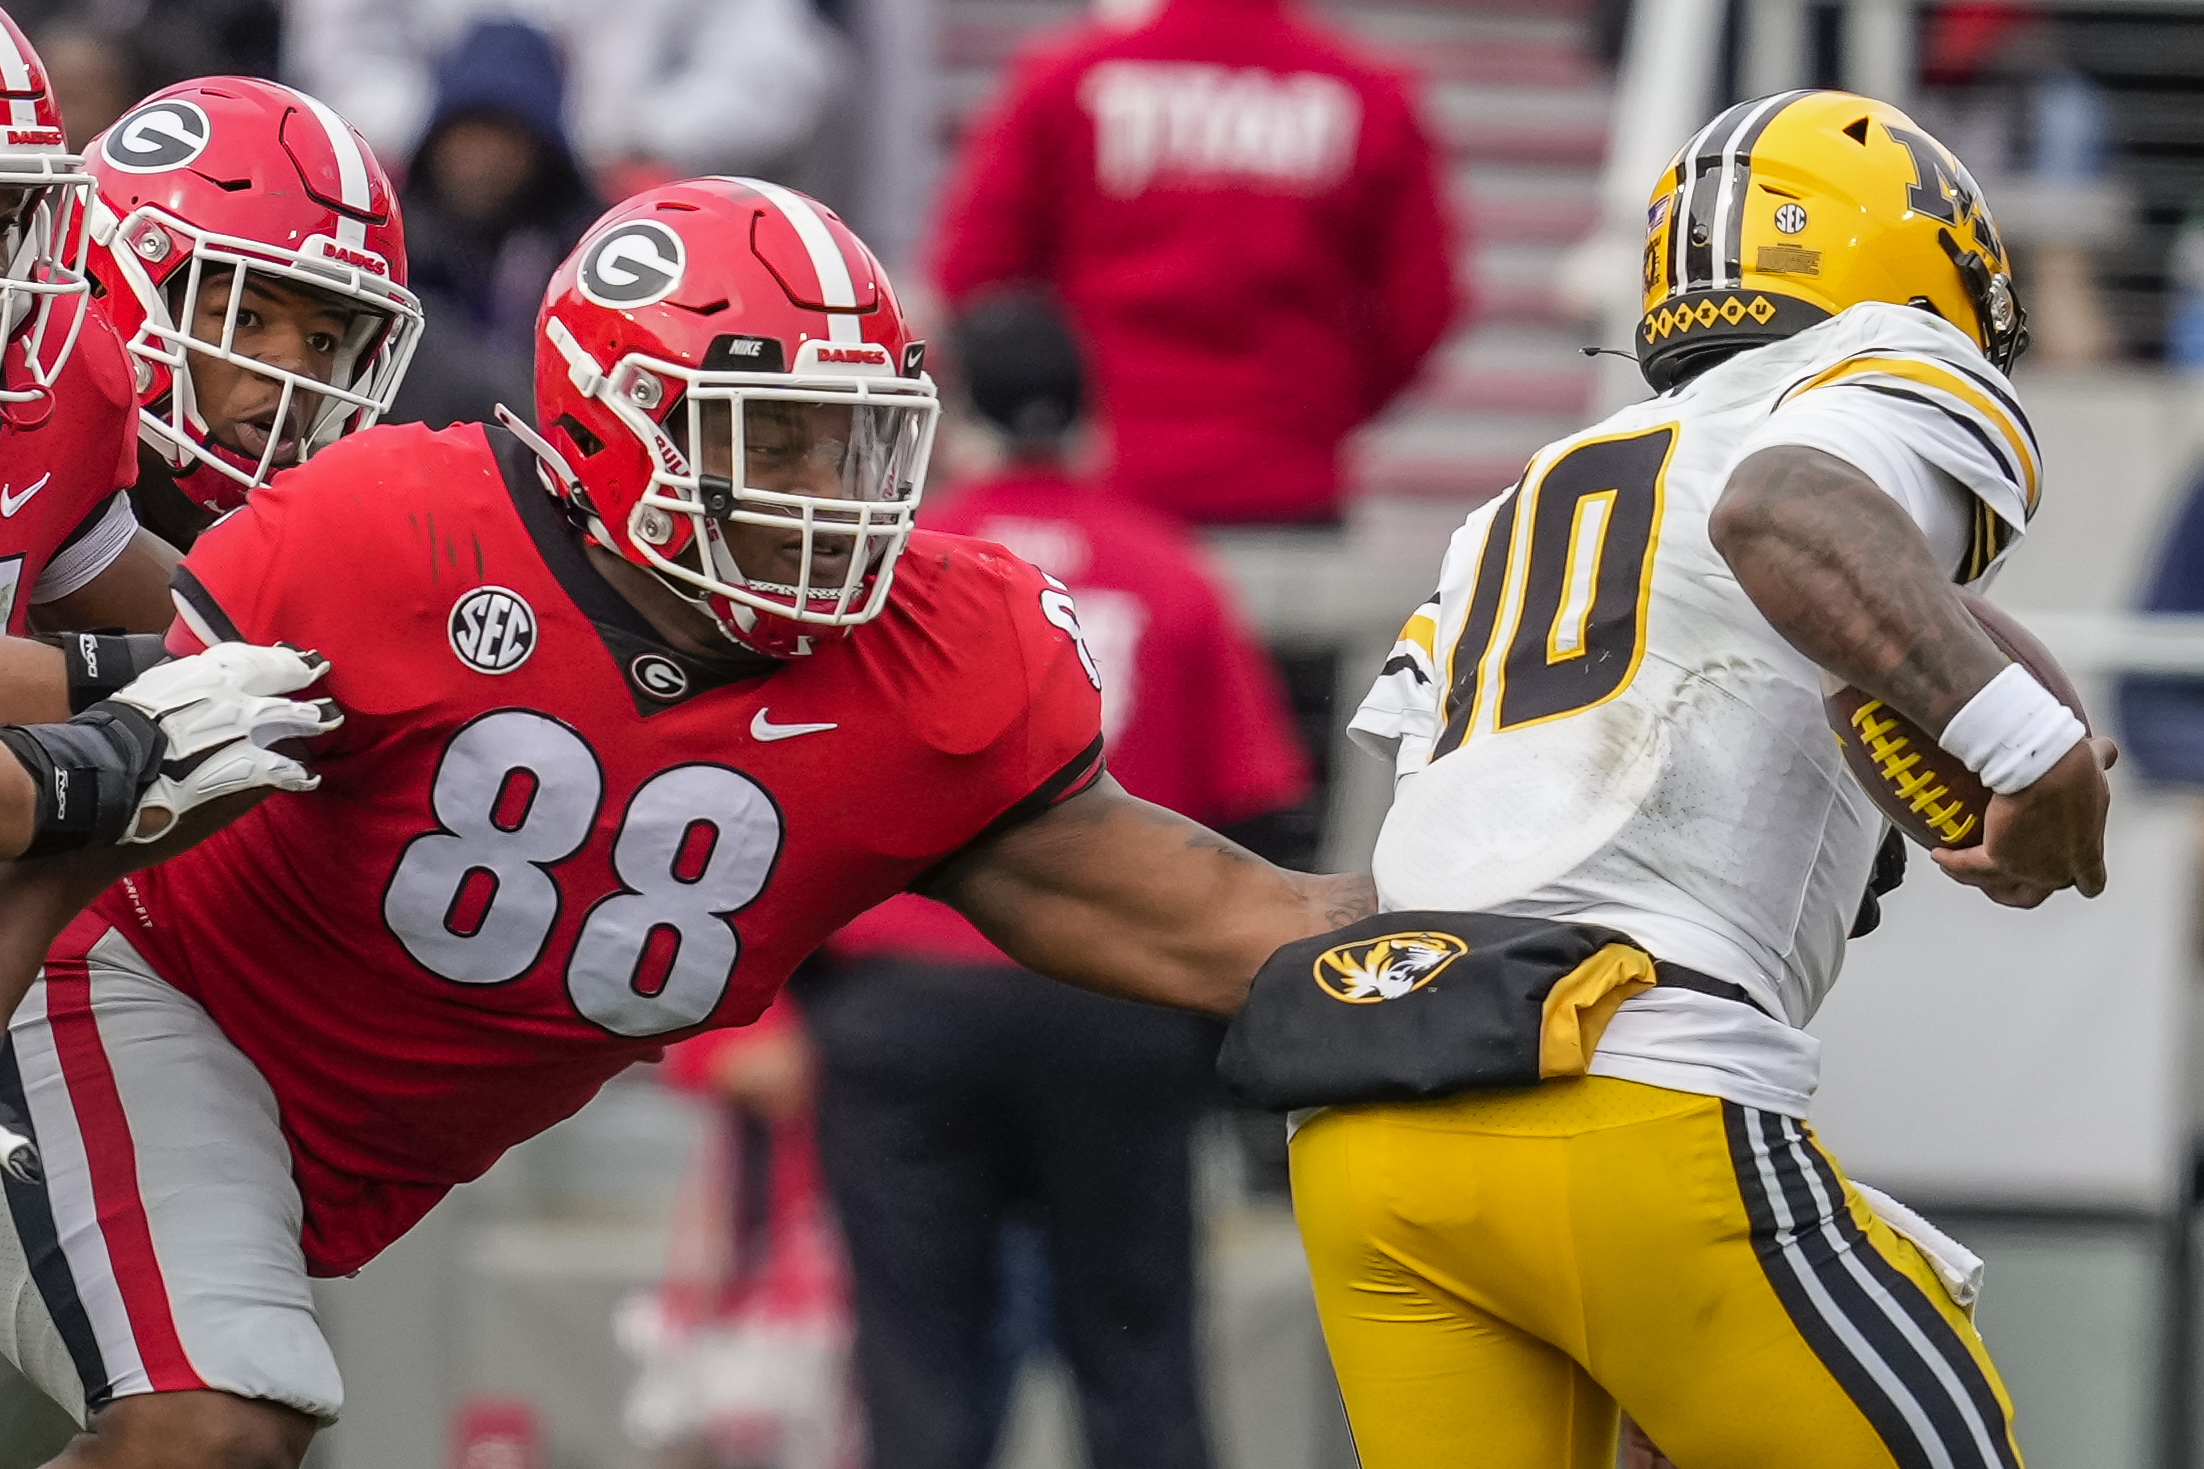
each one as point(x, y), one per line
point(1926, 793)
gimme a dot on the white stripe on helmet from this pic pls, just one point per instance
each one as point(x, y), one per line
point(15, 76)
point(836, 288)
point(1728, 268)
point(1683, 206)
point(352, 185)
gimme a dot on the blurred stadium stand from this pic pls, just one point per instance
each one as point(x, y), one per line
point(2148, 59)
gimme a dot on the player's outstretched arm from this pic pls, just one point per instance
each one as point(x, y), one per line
point(1842, 572)
point(1111, 893)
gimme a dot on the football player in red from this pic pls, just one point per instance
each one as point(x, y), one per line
point(247, 245)
point(641, 703)
point(68, 542)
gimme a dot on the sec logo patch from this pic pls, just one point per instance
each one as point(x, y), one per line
point(1370, 970)
point(493, 630)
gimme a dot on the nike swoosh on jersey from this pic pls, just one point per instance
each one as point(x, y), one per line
point(10, 503)
point(762, 728)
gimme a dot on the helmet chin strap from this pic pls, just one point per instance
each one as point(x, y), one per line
point(742, 624)
point(2004, 322)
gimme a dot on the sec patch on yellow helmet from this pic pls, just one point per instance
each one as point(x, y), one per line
point(1785, 210)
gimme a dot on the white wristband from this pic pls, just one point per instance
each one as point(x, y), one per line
point(2012, 731)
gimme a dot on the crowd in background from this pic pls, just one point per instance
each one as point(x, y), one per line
point(1189, 249)
point(1184, 253)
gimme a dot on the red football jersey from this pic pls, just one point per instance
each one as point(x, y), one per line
point(545, 842)
point(62, 458)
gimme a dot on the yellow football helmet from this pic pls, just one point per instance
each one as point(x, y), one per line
point(1785, 210)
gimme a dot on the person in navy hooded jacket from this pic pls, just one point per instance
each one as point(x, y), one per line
point(494, 200)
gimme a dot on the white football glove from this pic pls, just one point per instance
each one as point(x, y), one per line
point(220, 710)
point(19, 1157)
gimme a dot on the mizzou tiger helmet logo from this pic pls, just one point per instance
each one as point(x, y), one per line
point(1370, 970)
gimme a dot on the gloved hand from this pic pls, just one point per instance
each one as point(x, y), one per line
point(181, 735)
point(219, 712)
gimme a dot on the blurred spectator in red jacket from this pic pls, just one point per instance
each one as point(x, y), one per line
point(1244, 218)
point(960, 1092)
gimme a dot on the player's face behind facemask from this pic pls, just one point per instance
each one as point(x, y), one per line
point(824, 492)
point(269, 366)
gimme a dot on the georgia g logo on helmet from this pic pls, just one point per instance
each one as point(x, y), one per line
point(158, 137)
point(635, 265)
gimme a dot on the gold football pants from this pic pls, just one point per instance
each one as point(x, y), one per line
point(1498, 1271)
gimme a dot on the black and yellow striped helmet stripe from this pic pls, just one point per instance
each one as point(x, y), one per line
point(1706, 224)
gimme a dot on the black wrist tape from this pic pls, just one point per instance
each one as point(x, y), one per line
point(90, 774)
point(103, 662)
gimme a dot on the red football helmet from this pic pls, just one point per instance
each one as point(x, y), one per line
point(232, 179)
point(43, 187)
point(721, 364)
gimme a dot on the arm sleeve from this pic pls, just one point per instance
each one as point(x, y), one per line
point(1920, 425)
point(1052, 749)
point(996, 217)
point(232, 586)
point(1943, 507)
point(1414, 247)
point(1399, 718)
point(1055, 749)
point(91, 548)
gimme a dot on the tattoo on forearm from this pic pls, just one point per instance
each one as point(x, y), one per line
point(1841, 571)
point(1351, 899)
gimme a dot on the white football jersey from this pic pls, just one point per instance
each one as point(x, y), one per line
point(1591, 720)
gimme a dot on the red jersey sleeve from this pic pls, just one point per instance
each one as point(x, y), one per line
point(234, 585)
point(1053, 751)
point(267, 573)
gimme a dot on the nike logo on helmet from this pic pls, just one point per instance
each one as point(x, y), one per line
point(762, 728)
point(10, 503)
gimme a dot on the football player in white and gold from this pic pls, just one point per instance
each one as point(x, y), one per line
point(1611, 712)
